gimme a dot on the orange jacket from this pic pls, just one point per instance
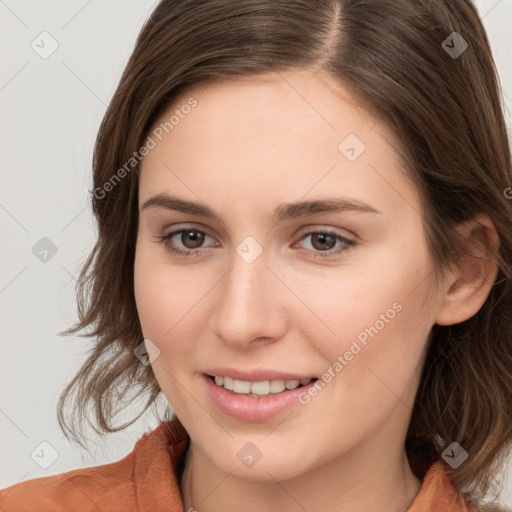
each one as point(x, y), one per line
point(147, 480)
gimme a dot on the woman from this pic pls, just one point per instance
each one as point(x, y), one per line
point(305, 246)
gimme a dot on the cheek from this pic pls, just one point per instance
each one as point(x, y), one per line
point(171, 311)
point(378, 302)
point(165, 306)
point(373, 337)
point(380, 296)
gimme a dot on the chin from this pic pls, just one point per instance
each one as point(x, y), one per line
point(259, 461)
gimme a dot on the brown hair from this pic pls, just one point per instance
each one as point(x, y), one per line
point(445, 109)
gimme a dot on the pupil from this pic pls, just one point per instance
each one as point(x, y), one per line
point(322, 237)
point(195, 236)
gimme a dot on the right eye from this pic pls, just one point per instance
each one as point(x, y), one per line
point(186, 236)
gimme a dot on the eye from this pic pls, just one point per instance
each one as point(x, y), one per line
point(191, 238)
point(323, 241)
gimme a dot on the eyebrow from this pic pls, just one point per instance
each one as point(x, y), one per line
point(282, 212)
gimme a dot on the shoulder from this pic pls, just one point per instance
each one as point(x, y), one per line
point(439, 493)
point(78, 487)
point(118, 486)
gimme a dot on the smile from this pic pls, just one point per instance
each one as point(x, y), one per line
point(258, 388)
point(254, 401)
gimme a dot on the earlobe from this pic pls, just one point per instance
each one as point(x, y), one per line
point(469, 286)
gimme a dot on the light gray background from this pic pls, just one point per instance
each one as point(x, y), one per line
point(51, 110)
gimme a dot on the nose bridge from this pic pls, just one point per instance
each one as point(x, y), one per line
point(245, 291)
point(246, 308)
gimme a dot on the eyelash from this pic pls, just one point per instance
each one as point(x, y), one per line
point(349, 244)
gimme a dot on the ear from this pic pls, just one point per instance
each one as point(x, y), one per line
point(468, 287)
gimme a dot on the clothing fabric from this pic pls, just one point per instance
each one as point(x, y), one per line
point(147, 480)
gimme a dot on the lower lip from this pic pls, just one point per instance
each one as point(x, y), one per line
point(253, 409)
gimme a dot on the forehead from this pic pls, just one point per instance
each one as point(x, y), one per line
point(274, 135)
point(300, 100)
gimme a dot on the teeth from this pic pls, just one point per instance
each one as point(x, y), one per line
point(228, 383)
point(291, 384)
point(241, 386)
point(261, 388)
point(276, 386)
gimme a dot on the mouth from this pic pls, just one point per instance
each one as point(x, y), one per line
point(259, 388)
point(256, 401)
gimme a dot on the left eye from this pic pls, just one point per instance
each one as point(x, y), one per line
point(319, 239)
point(192, 240)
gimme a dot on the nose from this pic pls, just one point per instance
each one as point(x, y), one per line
point(249, 309)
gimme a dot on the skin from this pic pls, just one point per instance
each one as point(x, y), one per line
point(248, 146)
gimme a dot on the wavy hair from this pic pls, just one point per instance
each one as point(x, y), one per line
point(400, 58)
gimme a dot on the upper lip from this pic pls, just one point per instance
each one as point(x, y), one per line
point(256, 375)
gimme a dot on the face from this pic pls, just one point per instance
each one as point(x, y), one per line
point(263, 292)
